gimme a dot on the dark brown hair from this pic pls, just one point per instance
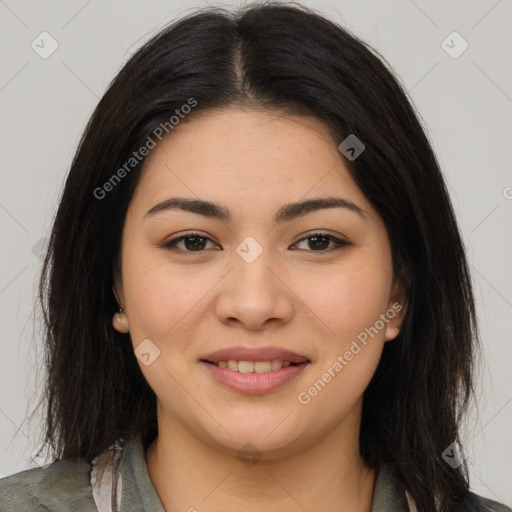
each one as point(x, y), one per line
point(286, 57)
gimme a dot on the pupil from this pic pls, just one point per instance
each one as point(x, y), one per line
point(315, 239)
point(194, 245)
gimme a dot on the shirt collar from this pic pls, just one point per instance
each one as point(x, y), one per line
point(138, 491)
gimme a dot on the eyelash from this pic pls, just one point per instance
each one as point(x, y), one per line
point(171, 244)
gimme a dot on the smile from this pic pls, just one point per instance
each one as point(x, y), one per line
point(254, 377)
point(254, 366)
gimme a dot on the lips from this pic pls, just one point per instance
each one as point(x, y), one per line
point(254, 354)
point(246, 370)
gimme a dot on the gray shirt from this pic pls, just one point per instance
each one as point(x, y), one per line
point(74, 485)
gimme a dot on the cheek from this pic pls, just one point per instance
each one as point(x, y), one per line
point(160, 297)
point(350, 304)
point(348, 298)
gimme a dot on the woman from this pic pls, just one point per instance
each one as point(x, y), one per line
point(256, 295)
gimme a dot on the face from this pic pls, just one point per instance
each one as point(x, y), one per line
point(315, 281)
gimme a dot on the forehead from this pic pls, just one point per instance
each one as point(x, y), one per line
point(249, 157)
point(220, 136)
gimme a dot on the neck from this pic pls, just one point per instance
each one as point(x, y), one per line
point(191, 474)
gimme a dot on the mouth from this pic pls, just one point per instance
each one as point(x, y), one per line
point(254, 366)
point(257, 376)
point(254, 370)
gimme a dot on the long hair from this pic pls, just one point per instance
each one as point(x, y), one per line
point(266, 56)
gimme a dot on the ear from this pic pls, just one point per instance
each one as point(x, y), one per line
point(120, 318)
point(117, 290)
point(397, 307)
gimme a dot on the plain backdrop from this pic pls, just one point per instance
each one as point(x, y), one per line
point(464, 99)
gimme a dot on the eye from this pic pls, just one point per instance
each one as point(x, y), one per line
point(192, 242)
point(320, 242)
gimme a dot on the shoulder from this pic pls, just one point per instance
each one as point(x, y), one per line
point(488, 505)
point(62, 485)
point(388, 495)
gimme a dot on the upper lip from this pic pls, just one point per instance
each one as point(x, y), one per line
point(254, 354)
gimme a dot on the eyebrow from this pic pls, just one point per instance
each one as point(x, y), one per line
point(286, 213)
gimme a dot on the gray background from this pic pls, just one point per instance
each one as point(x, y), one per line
point(465, 103)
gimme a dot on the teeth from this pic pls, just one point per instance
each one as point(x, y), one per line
point(233, 365)
point(246, 366)
point(253, 366)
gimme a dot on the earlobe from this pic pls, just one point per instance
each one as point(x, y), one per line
point(120, 322)
point(395, 315)
point(392, 332)
point(397, 308)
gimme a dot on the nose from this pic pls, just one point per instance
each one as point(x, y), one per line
point(254, 295)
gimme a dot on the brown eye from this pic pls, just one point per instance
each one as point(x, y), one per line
point(190, 243)
point(320, 242)
point(316, 242)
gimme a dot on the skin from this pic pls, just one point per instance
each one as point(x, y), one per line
point(190, 304)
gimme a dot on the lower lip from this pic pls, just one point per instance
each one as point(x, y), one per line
point(254, 383)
